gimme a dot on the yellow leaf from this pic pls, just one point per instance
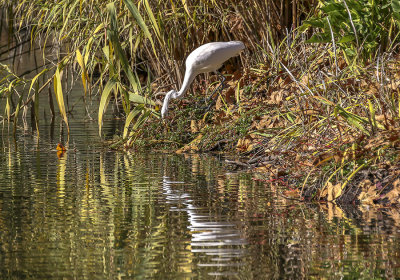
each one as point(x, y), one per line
point(35, 78)
point(79, 58)
point(59, 96)
point(8, 113)
point(185, 6)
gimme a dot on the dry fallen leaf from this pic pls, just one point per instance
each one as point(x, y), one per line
point(368, 192)
point(334, 191)
point(244, 144)
point(196, 125)
point(292, 193)
point(229, 95)
point(60, 147)
point(265, 122)
point(393, 195)
point(276, 97)
point(60, 150)
point(192, 146)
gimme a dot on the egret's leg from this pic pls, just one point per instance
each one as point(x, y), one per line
point(219, 88)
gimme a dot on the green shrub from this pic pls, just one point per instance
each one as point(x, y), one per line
point(361, 28)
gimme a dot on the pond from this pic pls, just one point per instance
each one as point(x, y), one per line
point(94, 213)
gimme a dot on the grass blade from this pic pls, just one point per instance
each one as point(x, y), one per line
point(153, 22)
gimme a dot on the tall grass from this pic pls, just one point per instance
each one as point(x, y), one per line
point(130, 50)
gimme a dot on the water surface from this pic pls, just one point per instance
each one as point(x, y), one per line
point(93, 213)
point(100, 214)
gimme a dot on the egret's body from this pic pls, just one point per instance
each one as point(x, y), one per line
point(206, 58)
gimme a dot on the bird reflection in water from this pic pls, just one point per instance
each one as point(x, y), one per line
point(212, 236)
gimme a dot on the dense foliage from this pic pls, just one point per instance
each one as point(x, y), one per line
point(362, 29)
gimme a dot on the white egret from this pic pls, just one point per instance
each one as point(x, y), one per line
point(206, 58)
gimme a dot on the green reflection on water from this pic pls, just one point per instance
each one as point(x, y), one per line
point(98, 214)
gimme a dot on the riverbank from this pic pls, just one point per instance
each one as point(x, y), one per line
point(319, 135)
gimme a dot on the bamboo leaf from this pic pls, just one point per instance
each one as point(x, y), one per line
point(11, 85)
point(90, 42)
point(17, 113)
point(136, 98)
point(117, 46)
point(106, 51)
point(36, 108)
point(130, 117)
point(84, 75)
point(139, 20)
point(66, 20)
point(98, 28)
point(35, 78)
point(348, 179)
point(105, 98)
point(372, 113)
point(8, 109)
point(59, 97)
point(86, 50)
point(142, 118)
point(354, 116)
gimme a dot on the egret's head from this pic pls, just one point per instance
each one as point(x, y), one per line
point(164, 109)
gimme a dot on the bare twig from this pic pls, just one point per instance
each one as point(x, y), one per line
point(333, 45)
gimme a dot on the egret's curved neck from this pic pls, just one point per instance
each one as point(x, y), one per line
point(189, 77)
